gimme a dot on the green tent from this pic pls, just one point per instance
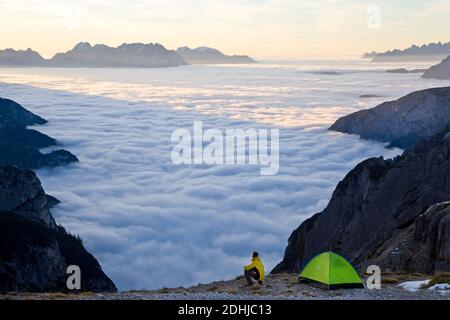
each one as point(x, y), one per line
point(331, 271)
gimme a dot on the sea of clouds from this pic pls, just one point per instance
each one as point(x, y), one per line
point(153, 224)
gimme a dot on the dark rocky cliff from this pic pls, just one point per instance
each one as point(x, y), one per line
point(393, 213)
point(403, 122)
point(34, 251)
point(20, 146)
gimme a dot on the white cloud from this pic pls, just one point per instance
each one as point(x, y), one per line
point(153, 224)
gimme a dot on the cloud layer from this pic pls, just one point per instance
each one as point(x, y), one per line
point(153, 224)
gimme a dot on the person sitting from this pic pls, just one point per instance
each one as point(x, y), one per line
point(255, 270)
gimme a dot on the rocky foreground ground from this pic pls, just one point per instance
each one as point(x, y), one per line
point(281, 286)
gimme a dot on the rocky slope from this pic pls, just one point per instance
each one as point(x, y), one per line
point(205, 55)
point(134, 55)
point(13, 113)
point(34, 251)
point(10, 57)
point(440, 71)
point(386, 212)
point(412, 247)
point(20, 146)
point(418, 115)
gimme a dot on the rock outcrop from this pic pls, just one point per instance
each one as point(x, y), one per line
point(13, 113)
point(34, 251)
point(393, 213)
point(440, 71)
point(21, 193)
point(134, 55)
point(325, 73)
point(369, 96)
point(419, 115)
point(10, 57)
point(403, 70)
point(412, 247)
point(205, 55)
point(20, 146)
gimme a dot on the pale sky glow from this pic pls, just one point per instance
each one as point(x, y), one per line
point(260, 28)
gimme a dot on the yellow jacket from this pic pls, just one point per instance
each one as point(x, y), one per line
point(258, 265)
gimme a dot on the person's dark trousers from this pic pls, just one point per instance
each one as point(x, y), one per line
point(250, 276)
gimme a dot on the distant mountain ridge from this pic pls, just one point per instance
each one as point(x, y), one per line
point(441, 71)
point(431, 51)
point(206, 55)
point(27, 57)
point(84, 55)
point(133, 55)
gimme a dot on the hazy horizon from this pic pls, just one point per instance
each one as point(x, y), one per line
point(265, 29)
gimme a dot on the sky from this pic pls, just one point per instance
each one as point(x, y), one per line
point(261, 28)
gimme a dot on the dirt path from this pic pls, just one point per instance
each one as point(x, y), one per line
point(276, 287)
